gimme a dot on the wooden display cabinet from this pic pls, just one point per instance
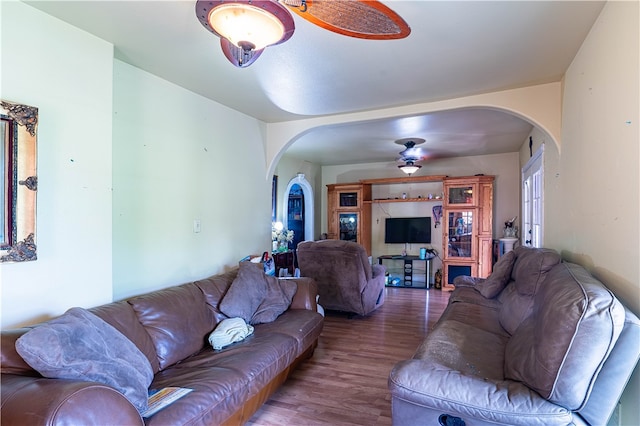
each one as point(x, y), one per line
point(467, 231)
point(349, 216)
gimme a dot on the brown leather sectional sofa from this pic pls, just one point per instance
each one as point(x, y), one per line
point(170, 327)
point(540, 342)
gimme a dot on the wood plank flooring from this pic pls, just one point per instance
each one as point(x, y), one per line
point(345, 382)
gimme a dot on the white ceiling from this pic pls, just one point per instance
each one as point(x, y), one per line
point(456, 48)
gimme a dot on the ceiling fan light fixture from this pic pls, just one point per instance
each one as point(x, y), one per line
point(410, 167)
point(249, 25)
point(246, 26)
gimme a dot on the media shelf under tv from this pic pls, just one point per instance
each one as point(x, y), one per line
point(407, 274)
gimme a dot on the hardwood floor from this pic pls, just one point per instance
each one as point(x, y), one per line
point(345, 382)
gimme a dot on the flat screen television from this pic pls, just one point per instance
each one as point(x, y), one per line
point(401, 230)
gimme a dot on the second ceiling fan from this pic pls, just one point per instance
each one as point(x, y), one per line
point(247, 27)
point(410, 155)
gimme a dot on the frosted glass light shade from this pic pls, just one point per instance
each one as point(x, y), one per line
point(246, 26)
point(409, 168)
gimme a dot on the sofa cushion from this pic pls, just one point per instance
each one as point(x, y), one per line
point(277, 300)
point(246, 293)
point(223, 381)
point(499, 278)
point(123, 318)
point(177, 319)
point(79, 345)
point(214, 289)
point(559, 349)
point(529, 271)
point(531, 267)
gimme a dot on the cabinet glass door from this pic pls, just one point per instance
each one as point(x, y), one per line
point(348, 199)
point(460, 234)
point(348, 226)
point(461, 195)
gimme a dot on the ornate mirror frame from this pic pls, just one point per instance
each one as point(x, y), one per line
point(18, 126)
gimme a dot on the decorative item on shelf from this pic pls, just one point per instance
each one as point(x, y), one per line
point(437, 214)
point(438, 279)
point(510, 235)
point(510, 231)
point(281, 237)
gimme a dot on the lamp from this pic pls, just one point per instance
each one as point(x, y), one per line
point(409, 167)
point(245, 27)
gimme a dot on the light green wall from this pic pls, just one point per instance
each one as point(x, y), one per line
point(126, 162)
point(287, 169)
point(178, 157)
point(67, 74)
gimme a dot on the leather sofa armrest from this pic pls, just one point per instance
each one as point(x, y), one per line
point(305, 297)
point(467, 281)
point(37, 400)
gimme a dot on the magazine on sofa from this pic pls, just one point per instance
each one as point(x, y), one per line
point(160, 398)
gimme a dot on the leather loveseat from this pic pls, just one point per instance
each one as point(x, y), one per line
point(170, 328)
point(539, 342)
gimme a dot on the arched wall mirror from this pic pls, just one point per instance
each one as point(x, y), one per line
point(298, 209)
point(18, 126)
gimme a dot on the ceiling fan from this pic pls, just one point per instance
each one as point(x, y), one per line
point(410, 155)
point(247, 27)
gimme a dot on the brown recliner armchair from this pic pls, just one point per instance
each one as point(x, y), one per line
point(345, 278)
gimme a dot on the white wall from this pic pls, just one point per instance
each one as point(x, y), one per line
point(596, 194)
point(178, 157)
point(67, 74)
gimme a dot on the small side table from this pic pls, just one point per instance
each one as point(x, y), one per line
point(284, 260)
point(508, 244)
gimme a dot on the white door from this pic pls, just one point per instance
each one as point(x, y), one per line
point(532, 200)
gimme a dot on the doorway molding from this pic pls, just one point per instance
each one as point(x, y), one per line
point(309, 219)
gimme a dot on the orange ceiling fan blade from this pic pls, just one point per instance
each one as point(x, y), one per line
point(368, 19)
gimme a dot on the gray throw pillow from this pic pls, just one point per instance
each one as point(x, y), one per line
point(277, 300)
point(80, 346)
point(497, 281)
point(246, 292)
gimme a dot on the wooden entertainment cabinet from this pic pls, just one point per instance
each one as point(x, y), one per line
point(467, 218)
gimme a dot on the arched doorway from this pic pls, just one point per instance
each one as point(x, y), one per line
point(295, 216)
point(298, 209)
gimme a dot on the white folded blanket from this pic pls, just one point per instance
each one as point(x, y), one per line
point(229, 331)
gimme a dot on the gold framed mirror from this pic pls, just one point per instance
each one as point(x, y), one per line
point(18, 126)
